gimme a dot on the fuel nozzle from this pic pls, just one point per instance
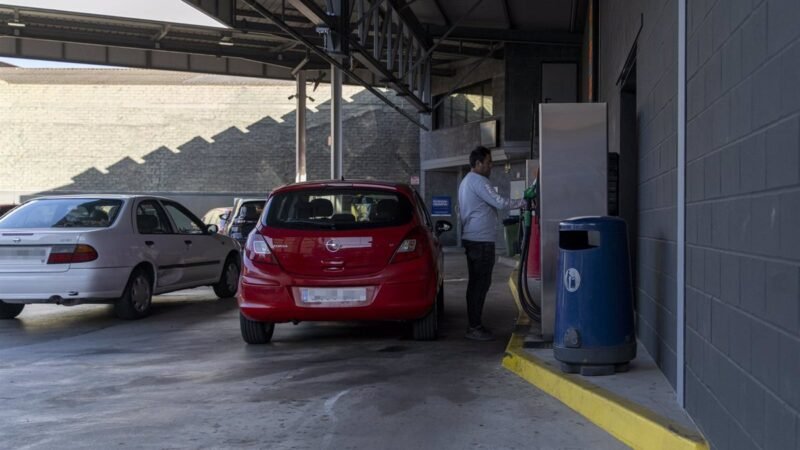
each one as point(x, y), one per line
point(530, 195)
point(532, 191)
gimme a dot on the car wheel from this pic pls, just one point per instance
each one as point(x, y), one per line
point(138, 297)
point(229, 280)
point(440, 303)
point(254, 332)
point(10, 310)
point(426, 328)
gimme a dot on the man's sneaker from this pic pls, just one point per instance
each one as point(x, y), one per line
point(479, 334)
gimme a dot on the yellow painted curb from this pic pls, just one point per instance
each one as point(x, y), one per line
point(629, 422)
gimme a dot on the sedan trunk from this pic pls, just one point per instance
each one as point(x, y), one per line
point(27, 251)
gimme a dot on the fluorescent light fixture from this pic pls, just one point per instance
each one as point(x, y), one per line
point(16, 24)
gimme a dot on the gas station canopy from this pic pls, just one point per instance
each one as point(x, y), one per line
point(399, 44)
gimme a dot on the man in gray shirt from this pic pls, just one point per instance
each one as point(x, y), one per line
point(478, 203)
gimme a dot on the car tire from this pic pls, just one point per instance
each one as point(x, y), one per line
point(426, 328)
point(440, 302)
point(229, 280)
point(137, 299)
point(254, 332)
point(10, 310)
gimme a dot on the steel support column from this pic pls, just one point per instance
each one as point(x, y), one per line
point(337, 159)
point(300, 128)
point(680, 279)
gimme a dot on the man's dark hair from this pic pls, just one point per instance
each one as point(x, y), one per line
point(479, 154)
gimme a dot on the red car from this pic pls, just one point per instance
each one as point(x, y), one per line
point(335, 251)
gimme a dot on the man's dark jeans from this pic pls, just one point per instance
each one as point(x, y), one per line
point(480, 262)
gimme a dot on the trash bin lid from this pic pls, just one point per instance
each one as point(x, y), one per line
point(592, 223)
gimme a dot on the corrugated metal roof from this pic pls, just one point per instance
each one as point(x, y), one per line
point(14, 75)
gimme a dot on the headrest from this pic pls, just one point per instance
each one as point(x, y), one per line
point(385, 209)
point(249, 212)
point(147, 223)
point(99, 215)
point(303, 210)
point(321, 207)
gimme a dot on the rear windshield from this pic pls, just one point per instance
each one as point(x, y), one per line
point(63, 213)
point(338, 209)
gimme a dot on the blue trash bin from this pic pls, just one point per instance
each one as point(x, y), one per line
point(594, 332)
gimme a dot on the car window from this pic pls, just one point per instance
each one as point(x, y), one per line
point(150, 218)
point(338, 209)
point(63, 213)
point(184, 220)
point(251, 210)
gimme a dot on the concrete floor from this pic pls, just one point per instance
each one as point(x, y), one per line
point(183, 378)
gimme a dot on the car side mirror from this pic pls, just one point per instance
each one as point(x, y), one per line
point(212, 229)
point(443, 226)
point(223, 216)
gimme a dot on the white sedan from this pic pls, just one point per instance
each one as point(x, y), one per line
point(119, 249)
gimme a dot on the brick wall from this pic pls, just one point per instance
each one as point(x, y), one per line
point(176, 138)
point(743, 222)
point(656, 90)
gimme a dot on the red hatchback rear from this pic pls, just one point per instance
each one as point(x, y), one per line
point(332, 251)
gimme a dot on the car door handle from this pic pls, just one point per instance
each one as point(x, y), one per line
point(149, 243)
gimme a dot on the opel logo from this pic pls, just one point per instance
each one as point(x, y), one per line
point(333, 245)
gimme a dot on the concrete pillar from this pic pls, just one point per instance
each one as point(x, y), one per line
point(300, 128)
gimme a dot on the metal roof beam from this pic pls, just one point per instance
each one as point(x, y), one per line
point(375, 27)
point(442, 13)
point(272, 30)
point(222, 10)
point(411, 22)
point(429, 50)
point(313, 12)
point(169, 42)
point(256, 6)
point(511, 36)
point(138, 58)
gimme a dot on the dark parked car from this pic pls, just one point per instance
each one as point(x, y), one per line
point(246, 212)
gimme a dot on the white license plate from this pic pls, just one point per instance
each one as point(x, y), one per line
point(30, 255)
point(333, 295)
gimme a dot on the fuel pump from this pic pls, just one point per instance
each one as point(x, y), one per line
point(530, 264)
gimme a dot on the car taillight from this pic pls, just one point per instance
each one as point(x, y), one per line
point(68, 254)
point(412, 247)
point(258, 251)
